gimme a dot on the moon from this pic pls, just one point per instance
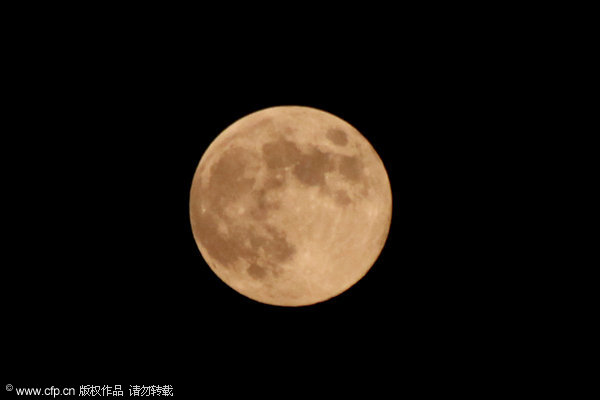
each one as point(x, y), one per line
point(290, 206)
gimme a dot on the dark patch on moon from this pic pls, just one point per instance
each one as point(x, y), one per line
point(342, 198)
point(309, 168)
point(280, 153)
point(241, 241)
point(337, 136)
point(222, 248)
point(351, 168)
point(277, 247)
point(256, 271)
point(227, 181)
point(312, 168)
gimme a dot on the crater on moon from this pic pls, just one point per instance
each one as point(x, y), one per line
point(282, 208)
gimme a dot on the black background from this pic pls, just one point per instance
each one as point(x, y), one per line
point(110, 126)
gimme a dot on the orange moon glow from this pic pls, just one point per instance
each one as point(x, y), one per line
point(290, 206)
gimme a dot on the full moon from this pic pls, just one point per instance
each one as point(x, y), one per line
point(290, 206)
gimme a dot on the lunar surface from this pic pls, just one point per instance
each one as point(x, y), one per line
point(290, 206)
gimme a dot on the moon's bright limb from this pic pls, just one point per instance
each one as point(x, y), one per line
point(290, 206)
